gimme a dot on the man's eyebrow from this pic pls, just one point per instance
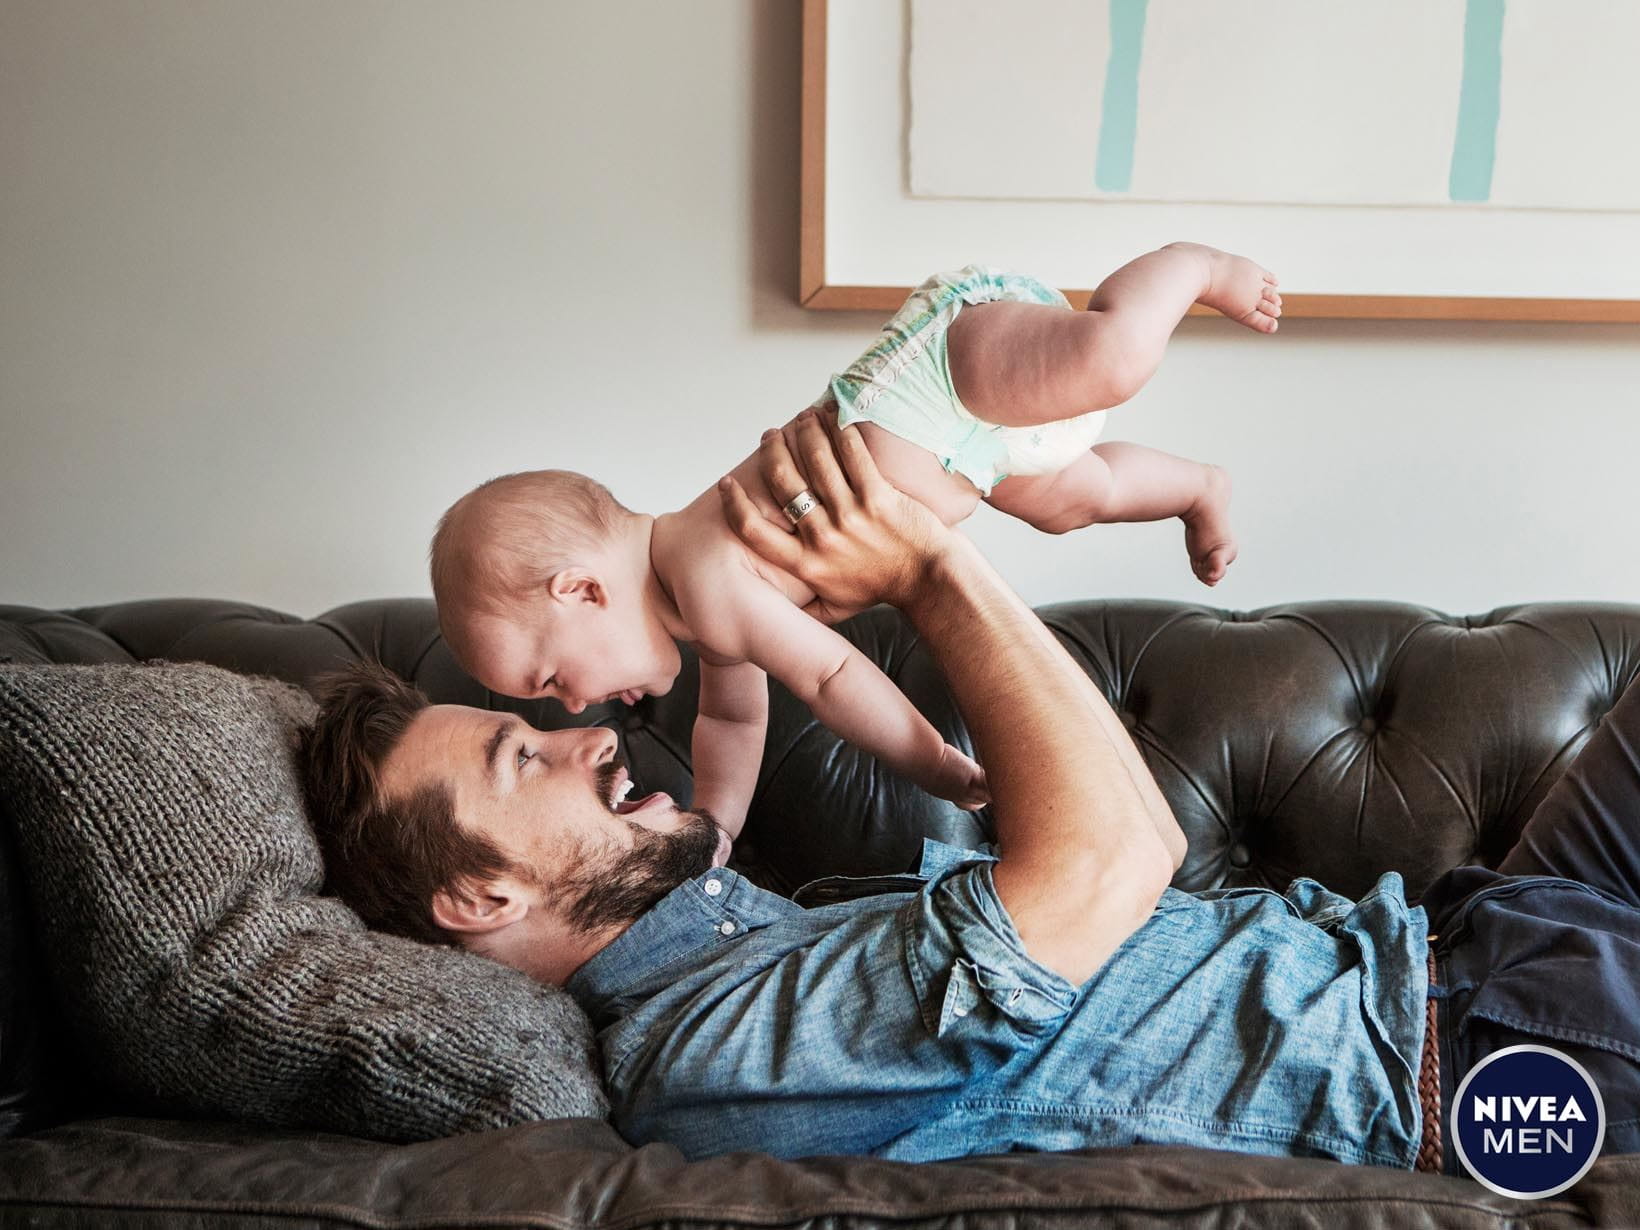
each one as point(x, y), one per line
point(492, 749)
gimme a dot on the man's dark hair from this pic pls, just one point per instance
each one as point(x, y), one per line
point(385, 858)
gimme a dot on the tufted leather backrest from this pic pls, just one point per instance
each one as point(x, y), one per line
point(1342, 739)
point(1330, 739)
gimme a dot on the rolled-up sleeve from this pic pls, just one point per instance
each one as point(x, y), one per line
point(975, 982)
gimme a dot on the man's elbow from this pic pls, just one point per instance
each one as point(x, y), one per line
point(1161, 865)
point(1178, 845)
point(1138, 872)
point(1074, 926)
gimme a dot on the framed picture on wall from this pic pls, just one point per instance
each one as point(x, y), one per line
point(1425, 159)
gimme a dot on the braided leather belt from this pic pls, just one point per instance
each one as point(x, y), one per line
point(1429, 1085)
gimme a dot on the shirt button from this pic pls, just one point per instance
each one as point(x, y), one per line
point(727, 928)
point(959, 1012)
point(714, 887)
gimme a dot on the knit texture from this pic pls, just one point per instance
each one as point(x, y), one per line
point(174, 880)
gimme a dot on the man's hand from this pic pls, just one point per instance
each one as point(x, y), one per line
point(867, 541)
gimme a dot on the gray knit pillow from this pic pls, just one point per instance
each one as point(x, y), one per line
point(173, 879)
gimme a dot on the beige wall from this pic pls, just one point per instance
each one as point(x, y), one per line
point(280, 280)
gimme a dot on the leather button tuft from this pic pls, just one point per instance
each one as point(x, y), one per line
point(1369, 725)
point(1240, 855)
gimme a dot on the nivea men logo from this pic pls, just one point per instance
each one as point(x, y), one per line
point(1528, 1121)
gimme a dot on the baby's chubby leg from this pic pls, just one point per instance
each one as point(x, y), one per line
point(1129, 482)
point(1021, 364)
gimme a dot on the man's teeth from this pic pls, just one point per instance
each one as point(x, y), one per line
point(621, 791)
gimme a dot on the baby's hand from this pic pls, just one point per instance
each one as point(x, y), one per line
point(960, 779)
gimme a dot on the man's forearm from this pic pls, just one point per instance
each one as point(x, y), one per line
point(1161, 815)
point(1072, 824)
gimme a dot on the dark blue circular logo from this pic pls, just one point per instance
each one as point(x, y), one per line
point(1527, 1121)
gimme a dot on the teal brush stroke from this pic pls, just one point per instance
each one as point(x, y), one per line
point(1475, 148)
point(1119, 119)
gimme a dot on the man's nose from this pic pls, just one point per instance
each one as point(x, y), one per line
point(597, 743)
point(587, 744)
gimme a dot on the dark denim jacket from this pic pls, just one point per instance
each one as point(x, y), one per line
point(912, 1025)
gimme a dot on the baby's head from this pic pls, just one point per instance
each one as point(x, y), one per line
point(544, 588)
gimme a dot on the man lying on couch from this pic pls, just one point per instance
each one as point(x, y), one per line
point(1057, 996)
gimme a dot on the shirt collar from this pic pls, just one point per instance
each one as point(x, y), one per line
point(717, 907)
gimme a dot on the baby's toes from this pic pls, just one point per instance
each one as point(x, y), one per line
point(1261, 320)
point(1210, 569)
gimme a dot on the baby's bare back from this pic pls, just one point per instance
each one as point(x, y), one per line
point(913, 469)
point(705, 567)
point(698, 542)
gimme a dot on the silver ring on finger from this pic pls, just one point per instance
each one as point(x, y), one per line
point(800, 506)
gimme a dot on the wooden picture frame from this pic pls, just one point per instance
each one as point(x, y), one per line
point(817, 291)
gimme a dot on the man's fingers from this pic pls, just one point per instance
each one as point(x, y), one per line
point(828, 613)
point(849, 444)
point(858, 463)
point(780, 470)
point(820, 463)
point(754, 529)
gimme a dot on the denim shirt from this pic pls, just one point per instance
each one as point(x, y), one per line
point(913, 1025)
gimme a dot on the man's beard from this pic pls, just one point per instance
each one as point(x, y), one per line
point(617, 890)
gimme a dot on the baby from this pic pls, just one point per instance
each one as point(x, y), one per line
point(986, 385)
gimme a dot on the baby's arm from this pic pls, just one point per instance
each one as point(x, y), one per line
point(731, 721)
point(841, 687)
point(738, 615)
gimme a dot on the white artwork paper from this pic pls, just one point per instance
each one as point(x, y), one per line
point(1503, 103)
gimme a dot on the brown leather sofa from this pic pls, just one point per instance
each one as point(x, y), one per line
point(1335, 740)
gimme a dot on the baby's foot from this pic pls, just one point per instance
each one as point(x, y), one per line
point(1207, 533)
point(1243, 291)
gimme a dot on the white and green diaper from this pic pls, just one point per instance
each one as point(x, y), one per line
point(903, 385)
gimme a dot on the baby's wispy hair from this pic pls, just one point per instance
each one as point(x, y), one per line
point(497, 545)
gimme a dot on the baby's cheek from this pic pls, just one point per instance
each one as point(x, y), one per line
point(672, 661)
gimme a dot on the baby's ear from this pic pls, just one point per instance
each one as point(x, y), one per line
point(575, 586)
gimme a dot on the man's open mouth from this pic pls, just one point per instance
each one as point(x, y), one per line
point(622, 786)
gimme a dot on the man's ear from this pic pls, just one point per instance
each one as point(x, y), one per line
point(479, 909)
point(576, 585)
